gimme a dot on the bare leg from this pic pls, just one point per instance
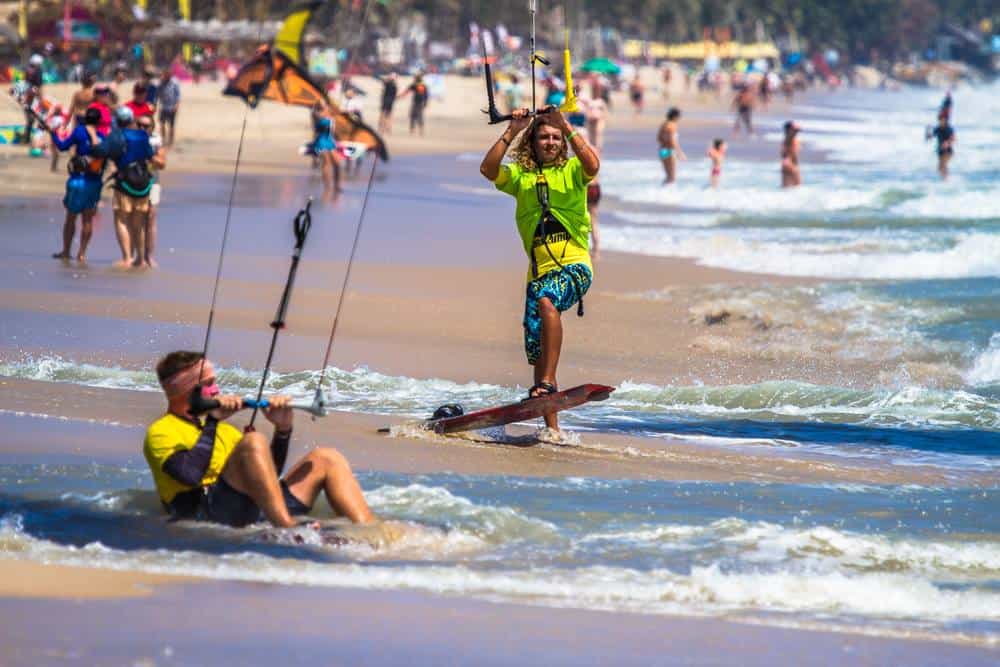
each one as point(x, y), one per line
point(124, 242)
point(150, 237)
point(136, 229)
point(671, 166)
point(548, 360)
point(250, 470)
point(86, 231)
point(327, 470)
point(68, 232)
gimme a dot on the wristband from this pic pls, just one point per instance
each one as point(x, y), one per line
point(569, 137)
point(505, 140)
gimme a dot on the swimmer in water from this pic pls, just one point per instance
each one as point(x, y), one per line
point(791, 175)
point(944, 133)
point(716, 153)
point(670, 147)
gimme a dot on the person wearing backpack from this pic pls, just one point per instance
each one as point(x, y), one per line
point(83, 187)
point(132, 184)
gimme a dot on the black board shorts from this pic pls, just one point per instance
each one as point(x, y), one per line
point(221, 503)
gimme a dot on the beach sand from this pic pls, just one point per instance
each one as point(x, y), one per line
point(436, 292)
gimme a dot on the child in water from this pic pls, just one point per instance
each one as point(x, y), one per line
point(716, 153)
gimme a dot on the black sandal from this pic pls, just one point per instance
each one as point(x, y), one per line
point(540, 390)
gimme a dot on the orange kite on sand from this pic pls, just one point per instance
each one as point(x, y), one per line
point(271, 75)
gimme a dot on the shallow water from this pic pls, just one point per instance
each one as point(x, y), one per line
point(904, 561)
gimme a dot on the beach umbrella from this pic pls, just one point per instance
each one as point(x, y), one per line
point(601, 66)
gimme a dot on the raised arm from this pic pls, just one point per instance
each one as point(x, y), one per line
point(490, 167)
point(581, 147)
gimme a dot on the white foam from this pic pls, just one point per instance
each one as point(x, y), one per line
point(986, 369)
point(972, 255)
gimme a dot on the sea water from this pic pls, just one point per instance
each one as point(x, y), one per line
point(908, 278)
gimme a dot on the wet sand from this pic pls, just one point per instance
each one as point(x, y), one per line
point(436, 292)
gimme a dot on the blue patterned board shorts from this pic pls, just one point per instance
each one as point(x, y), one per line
point(560, 289)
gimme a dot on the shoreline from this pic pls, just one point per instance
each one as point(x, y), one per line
point(336, 624)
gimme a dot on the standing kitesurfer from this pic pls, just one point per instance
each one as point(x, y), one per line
point(206, 469)
point(83, 187)
point(418, 104)
point(551, 193)
point(132, 185)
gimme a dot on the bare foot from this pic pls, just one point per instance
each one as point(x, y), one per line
point(122, 263)
point(152, 264)
point(82, 259)
point(60, 255)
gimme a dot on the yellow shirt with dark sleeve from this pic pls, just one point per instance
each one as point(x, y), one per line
point(567, 202)
point(170, 434)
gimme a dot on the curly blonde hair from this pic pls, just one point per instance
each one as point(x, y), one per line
point(523, 152)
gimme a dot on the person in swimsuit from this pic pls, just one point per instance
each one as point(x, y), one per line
point(744, 109)
point(670, 148)
point(157, 164)
point(597, 114)
point(716, 153)
point(551, 193)
point(944, 133)
point(325, 147)
point(636, 92)
point(207, 470)
point(946, 105)
point(791, 175)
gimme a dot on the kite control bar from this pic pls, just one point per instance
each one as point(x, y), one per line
point(317, 407)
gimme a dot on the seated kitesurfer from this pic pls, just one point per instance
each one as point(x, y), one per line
point(208, 470)
point(552, 219)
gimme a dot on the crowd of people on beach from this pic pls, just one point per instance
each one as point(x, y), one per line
point(106, 127)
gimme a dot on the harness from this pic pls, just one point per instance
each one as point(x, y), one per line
point(542, 193)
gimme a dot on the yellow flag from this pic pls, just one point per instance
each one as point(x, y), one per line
point(22, 20)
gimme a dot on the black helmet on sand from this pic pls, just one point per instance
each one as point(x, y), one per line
point(447, 411)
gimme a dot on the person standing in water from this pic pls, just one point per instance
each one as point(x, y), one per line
point(946, 104)
point(636, 92)
point(791, 175)
point(944, 133)
point(83, 188)
point(743, 102)
point(716, 153)
point(551, 193)
point(418, 104)
point(670, 147)
point(325, 147)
